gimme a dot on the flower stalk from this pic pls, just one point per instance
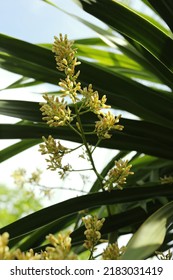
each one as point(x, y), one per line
point(56, 112)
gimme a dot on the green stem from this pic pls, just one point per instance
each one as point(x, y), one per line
point(82, 170)
point(78, 147)
point(86, 145)
point(97, 144)
point(100, 179)
point(74, 129)
point(91, 254)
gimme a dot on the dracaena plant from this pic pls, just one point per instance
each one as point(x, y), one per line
point(56, 112)
point(131, 62)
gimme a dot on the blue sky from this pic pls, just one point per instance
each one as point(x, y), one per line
point(35, 21)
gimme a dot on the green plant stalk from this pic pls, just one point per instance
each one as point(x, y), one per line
point(90, 153)
point(91, 254)
point(86, 145)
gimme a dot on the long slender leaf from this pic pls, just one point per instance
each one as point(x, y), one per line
point(22, 82)
point(117, 63)
point(122, 141)
point(17, 148)
point(150, 235)
point(38, 236)
point(165, 9)
point(56, 211)
point(121, 92)
point(106, 35)
point(132, 25)
point(30, 111)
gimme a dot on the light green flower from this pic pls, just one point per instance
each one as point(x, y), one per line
point(113, 252)
point(117, 176)
point(55, 112)
point(92, 232)
point(107, 123)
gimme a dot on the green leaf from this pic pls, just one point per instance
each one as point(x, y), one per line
point(150, 236)
point(117, 63)
point(128, 140)
point(121, 91)
point(134, 26)
point(165, 9)
point(17, 148)
point(25, 110)
point(38, 236)
point(142, 56)
point(22, 82)
point(73, 205)
point(28, 69)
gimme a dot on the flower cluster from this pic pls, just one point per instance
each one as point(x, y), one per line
point(65, 55)
point(66, 62)
point(56, 151)
point(167, 180)
point(60, 249)
point(29, 255)
point(28, 183)
point(35, 177)
point(117, 176)
point(113, 252)
point(106, 123)
point(19, 177)
point(55, 111)
point(91, 100)
point(4, 249)
point(6, 254)
point(92, 232)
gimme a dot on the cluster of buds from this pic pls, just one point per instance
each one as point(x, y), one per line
point(91, 100)
point(106, 123)
point(66, 62)
point(4, 249)
point(6, 254)
point(117, 176)
point(56, 151)
point(113, 252)
point(167, 180)
point(29, 182)
point(35, 177)
point(19, 177)
point(65, 55)
point(92, 232)
point(56, 112)
point(29, 255)
point(60, 249)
